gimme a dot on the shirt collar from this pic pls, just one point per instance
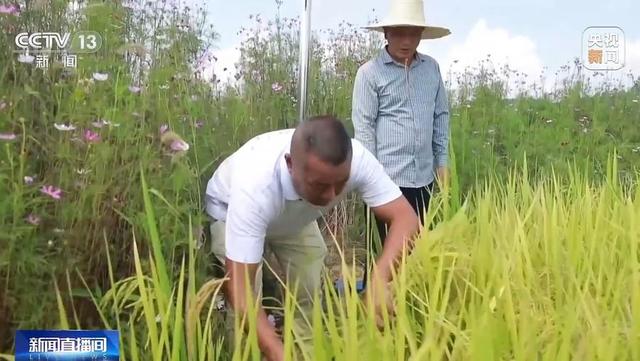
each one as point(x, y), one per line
point(387, 59)
point(286, 182)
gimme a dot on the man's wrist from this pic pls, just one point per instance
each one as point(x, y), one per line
point(382, 269)
point(275, 352)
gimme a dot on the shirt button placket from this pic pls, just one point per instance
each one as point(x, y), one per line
point(414, 172)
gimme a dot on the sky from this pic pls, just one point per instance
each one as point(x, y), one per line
point(527, 35)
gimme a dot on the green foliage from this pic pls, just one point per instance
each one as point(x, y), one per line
point(122, 246)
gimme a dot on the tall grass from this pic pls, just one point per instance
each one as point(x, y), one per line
point(522, 271)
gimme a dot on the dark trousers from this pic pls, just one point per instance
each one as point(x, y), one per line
point(418, 198)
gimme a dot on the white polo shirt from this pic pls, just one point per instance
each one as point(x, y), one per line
point(252, 192)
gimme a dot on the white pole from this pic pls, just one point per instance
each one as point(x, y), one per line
point(303, 68)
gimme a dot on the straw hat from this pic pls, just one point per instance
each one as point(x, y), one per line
point(409, 13)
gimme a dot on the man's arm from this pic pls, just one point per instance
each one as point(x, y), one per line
point(246, 224)
point(403, 227)
point(388, 204)
point(440, 142)
point(236, 291)
point(364, 110)
point(386, 201)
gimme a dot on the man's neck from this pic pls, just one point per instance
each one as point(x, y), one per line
point(399, 60)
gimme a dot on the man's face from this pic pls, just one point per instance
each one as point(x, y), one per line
point(403, 41)
point(316, 181)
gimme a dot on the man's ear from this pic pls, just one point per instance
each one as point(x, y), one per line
point(287, 158)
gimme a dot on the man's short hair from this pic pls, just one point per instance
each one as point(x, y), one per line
point(326, 137)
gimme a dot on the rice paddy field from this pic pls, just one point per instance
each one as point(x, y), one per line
point(532, 253)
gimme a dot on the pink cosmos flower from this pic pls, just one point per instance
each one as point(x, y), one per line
point(134, 89)
point(51, 191)
point(276, 87)
point(91, 137)
point(33, 219)
point(7, 136)
point(10, 9)
point(179, 145)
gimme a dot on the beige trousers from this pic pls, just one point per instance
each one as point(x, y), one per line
point(301, 257)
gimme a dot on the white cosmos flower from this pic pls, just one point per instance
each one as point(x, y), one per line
point(64, 127)
point(25, 58)
point(101, 122)
point(100, 76)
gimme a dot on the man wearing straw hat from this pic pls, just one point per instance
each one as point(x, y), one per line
point(400, 109)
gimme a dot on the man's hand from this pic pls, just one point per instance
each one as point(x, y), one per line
point(236, 291)
point(442, 178)
point(379, 298)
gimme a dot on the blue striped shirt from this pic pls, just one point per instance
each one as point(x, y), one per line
point(402, 116)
